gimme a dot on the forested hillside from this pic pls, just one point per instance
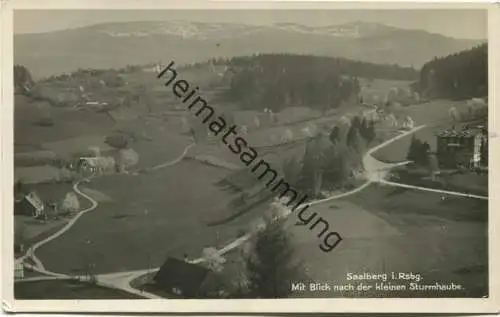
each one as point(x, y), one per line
point(276, 81)
point(457, 76)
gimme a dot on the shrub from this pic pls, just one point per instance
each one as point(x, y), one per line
point(127, 158)
point(70, 203)
point(117, 141)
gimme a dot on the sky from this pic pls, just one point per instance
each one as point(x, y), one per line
point(457, 23)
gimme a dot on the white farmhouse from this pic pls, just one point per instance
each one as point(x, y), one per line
point(88, 164)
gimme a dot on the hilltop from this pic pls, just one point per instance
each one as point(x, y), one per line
point(115, 45)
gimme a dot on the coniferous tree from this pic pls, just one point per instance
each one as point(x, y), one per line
point(270, 267)
point(425, 149)
point(339, 162)
point(365, 129)
point(311, 178)
point(413, 149)
point(357, 145)
point(433, 164)
point(371, 133)
point(418, 151)
point(335, 134)
point(356, 122)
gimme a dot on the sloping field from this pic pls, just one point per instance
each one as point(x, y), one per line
point(387, 230)
point(70, 146)
point(153, 215)
point(435, 115)
point(36, 174)
point(68, 123)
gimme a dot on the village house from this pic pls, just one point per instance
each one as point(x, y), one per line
point(185, 280)
point(88, 165)
point(459, 148)
point(29, 205)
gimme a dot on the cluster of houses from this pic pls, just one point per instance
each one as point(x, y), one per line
point(30, 203)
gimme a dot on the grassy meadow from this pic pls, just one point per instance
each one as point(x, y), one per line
point(392, 230)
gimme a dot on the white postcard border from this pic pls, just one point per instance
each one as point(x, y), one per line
point(484, 305)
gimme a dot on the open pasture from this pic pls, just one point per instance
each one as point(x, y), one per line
point(393, 230)
point(36, 174)
point(156, 140)
point(67, 123)
point(435, 115)
point(71, 146)
point(153, 215)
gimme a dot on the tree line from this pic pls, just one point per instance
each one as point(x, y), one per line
point(457, 76)
point(277, 81)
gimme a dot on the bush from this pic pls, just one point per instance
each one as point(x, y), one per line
point(117, 141)
point(126, 159)
point(70, 204)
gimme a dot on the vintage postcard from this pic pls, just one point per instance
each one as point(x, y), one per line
point(249, 157)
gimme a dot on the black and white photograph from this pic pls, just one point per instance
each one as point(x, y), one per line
point(240, 153)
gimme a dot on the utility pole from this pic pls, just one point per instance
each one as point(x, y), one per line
point(85, 266)
point(149, 263)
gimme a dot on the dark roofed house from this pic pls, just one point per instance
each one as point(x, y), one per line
point(184, 279)
point(29, 205)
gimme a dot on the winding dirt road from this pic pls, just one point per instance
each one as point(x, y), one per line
point(30, 253)
point(177, 160)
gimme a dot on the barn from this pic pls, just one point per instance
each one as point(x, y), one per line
point(29, 205)
point(184, 280)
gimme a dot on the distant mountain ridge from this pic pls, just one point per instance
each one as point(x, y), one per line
point(117, 44)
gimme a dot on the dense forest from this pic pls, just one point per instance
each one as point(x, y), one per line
point(276, 81)
point(458, 76)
